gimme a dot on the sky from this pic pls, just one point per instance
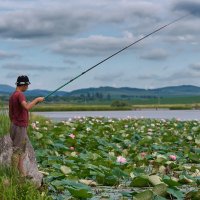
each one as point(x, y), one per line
point(54, 41)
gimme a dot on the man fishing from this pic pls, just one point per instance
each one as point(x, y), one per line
point(19, 117)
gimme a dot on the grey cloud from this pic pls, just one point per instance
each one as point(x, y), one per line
point(109, 77)
point(192, 7)
point(149, 77)
point(28, 67)
point(54, 19)
point(42, 23)
point(181, 76)
point(156, 54)
point(195, 67)
point(94, 45)
point(7, 55)
point(70, 62)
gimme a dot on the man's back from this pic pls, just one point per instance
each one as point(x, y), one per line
point(18, 114)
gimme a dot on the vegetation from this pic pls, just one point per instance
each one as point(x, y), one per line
point(132, 158)
point(13, 186)
point(4, 122)
point(71, 107)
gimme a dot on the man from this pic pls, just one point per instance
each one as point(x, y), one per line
point(19, 117)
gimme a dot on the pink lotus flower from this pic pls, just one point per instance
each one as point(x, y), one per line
point(72, 136)
point(172, 157)
point(143, 154)
point(121, 159)
point(72, 148)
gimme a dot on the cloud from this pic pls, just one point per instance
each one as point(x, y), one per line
point(27, 67)
point(195, 67)
point(149, 77)
point(94, 45)
point(42, 23)
point(192, 7)
point(70, 62)
point(109, 78)
point(61, 19)
point(7, 55)
point(156, 54)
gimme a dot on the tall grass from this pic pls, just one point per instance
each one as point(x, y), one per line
point(4, 121)
point(13, 186)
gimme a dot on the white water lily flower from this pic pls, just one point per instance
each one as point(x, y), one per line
point(34, 125)
point(88, 129)
point(149, 133)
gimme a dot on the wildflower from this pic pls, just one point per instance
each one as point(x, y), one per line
point(45, 128)
point(88, 129)
point(143, 154)
point(72, 136)
point(33, 125)
point(71, 148)
point(121, 159)
point(172, 157)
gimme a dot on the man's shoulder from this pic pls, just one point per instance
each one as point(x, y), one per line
point(17, 94)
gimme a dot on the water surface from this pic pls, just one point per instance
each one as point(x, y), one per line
point(157, 114)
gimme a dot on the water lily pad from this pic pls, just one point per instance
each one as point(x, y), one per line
point(65, 170)
point(146, 195)
point(155, 180)
point(171, 181)
point(160, 190)
point(194, 195)
point(140, 181)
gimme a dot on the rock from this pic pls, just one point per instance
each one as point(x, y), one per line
point(30, 166)
point(6, 150)
point(30, 163)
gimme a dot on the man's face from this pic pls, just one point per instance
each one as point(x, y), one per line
point(24, 88)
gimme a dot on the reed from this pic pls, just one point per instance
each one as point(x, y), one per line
point(13, 186)
point(4, 121)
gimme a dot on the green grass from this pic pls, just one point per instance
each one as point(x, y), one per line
point(70, 107)
point(5, 122)
point(12, 186)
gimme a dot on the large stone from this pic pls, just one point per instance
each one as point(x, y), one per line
point(6, 150)
point(30, 166)
point(30, 163)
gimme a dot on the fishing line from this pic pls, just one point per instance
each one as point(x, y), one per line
point(114, 54)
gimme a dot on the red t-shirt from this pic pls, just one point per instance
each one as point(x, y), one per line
point(18, 114)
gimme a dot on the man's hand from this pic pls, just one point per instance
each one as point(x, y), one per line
point(39, 99)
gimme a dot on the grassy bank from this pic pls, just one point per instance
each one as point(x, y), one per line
point(13, 186)
point(72, 107)
point(5, 122)
point(167, 106)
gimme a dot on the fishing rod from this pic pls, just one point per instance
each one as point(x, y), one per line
point(114, 54)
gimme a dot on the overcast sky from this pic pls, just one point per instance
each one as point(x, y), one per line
point(54, 41)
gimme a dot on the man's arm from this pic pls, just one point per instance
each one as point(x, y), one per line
point(28, 106)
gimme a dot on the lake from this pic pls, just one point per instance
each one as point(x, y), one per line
point(157, 114)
